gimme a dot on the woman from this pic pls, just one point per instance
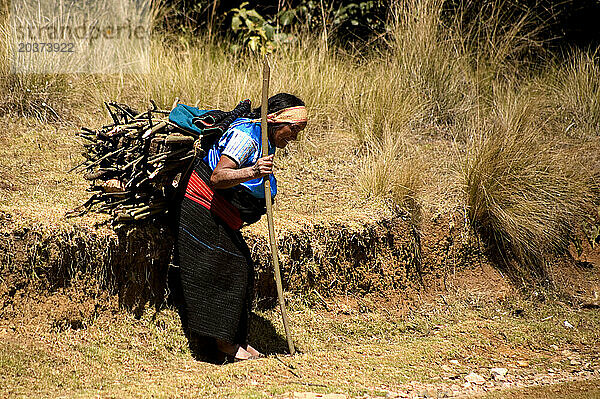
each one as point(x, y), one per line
point(225, 190)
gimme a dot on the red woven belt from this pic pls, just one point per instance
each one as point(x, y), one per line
point(198, 191)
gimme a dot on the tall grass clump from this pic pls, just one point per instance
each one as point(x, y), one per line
point(522, 195)
point(501, 38)
point(393, 170)
point(419, 80)
point(378, 102)
point(48, 84)
point(417, 85)
point(574, 90)
point(439, 70)
point(427, 61)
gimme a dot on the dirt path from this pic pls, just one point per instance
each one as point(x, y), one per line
point(62, 345)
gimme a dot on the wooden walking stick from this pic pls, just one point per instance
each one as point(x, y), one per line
point(265, 151)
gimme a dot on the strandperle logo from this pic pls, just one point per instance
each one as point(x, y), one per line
point(79, 37)
point(86, 31)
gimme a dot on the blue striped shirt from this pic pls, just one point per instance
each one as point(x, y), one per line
point(242, 143)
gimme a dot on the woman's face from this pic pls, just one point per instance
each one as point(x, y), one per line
point(282, 135)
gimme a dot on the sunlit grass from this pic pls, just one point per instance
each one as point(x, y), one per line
point(523, 194)
point(575, 94)
point(346, 349)
point(438, 96)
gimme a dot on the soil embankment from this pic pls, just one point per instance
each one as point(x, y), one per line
point(328, 257)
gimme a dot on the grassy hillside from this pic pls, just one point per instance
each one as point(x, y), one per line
point(446, 144)
point(436, 118)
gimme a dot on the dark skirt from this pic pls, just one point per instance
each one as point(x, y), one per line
point(217, 275)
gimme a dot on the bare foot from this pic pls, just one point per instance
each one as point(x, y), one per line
point(242, 354)
point(253, 351)
point(236, 351)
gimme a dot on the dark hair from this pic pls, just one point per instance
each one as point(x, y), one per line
point(278, 102)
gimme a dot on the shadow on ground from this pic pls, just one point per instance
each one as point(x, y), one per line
point(264, 337)
point(262, 333)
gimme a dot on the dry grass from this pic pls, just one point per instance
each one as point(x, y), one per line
point(446, 117)
point(575, 93)
point(394, 170)
point(522, 193)
point(35, 159)
point(418, 126)
point(356, 346)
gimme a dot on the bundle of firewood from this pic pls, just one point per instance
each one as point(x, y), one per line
point(136, 163)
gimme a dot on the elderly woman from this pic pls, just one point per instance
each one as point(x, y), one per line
point(224, 191)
